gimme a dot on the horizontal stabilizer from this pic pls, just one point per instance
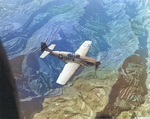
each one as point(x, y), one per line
point(46, 50)
point(51, 47)
point(44, 54)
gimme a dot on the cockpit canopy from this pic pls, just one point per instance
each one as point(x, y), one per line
point(73, 55)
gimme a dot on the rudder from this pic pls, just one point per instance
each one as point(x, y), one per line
point(43, 46)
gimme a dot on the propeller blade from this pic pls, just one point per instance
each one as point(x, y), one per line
point(97, 64)
point(98, 61)
point(99, 56)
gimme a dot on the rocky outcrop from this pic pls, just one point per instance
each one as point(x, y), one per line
point(82, 100)
point(130, 89)
point(65, 107)
point(140, 112)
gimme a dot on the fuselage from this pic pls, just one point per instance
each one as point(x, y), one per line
point(73, 57)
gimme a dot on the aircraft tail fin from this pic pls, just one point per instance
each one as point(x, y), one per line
point(43, 46)
point(45, 49)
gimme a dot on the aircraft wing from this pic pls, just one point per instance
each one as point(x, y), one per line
point(84, 48)
point(69, 69)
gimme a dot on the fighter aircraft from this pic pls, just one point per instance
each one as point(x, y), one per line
point(74, 60)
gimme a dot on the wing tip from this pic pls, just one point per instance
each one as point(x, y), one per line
point(60, 82)
point(88, 41)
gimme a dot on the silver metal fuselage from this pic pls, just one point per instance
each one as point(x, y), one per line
point(73, 57)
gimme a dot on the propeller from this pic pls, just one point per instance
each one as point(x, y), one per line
point(99, 56)
point(98, 61)
point(97, 64)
